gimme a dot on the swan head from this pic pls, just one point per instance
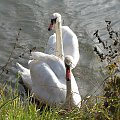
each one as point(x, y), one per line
point(68, 64)
point(55, 18)
point(68, 60)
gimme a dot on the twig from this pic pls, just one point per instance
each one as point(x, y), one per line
point(9, 59)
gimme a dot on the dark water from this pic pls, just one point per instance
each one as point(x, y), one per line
point(82, 16)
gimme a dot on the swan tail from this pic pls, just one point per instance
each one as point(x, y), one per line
point(25, 74)
point(20, 68)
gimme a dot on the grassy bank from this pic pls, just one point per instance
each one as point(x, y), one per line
point(14, 107)
point(107, 107)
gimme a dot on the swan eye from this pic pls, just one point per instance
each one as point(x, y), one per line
point(53, 21)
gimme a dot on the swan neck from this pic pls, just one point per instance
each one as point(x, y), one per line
point(68, 84)
point(59, 40)
point(68, 79)
point(69, 94)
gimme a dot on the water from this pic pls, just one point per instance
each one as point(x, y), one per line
point(82, 16)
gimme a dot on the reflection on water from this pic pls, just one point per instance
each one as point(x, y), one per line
point(83, 17)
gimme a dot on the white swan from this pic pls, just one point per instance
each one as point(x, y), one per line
point(47, 80)
point(63, 42)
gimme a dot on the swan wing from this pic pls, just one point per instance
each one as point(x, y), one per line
point(47, 86)
point(50, 48)
point(55, 63)
point(70, 44)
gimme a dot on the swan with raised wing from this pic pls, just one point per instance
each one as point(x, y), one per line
point(51, 80)
point(63, 42)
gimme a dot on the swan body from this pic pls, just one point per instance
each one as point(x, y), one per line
point(63, 42)
point(48, 82)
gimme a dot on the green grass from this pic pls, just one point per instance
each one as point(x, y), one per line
point(12, 107)
point(15, 107)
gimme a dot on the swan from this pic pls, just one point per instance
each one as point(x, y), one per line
point(63, 42)
point(51, 80)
